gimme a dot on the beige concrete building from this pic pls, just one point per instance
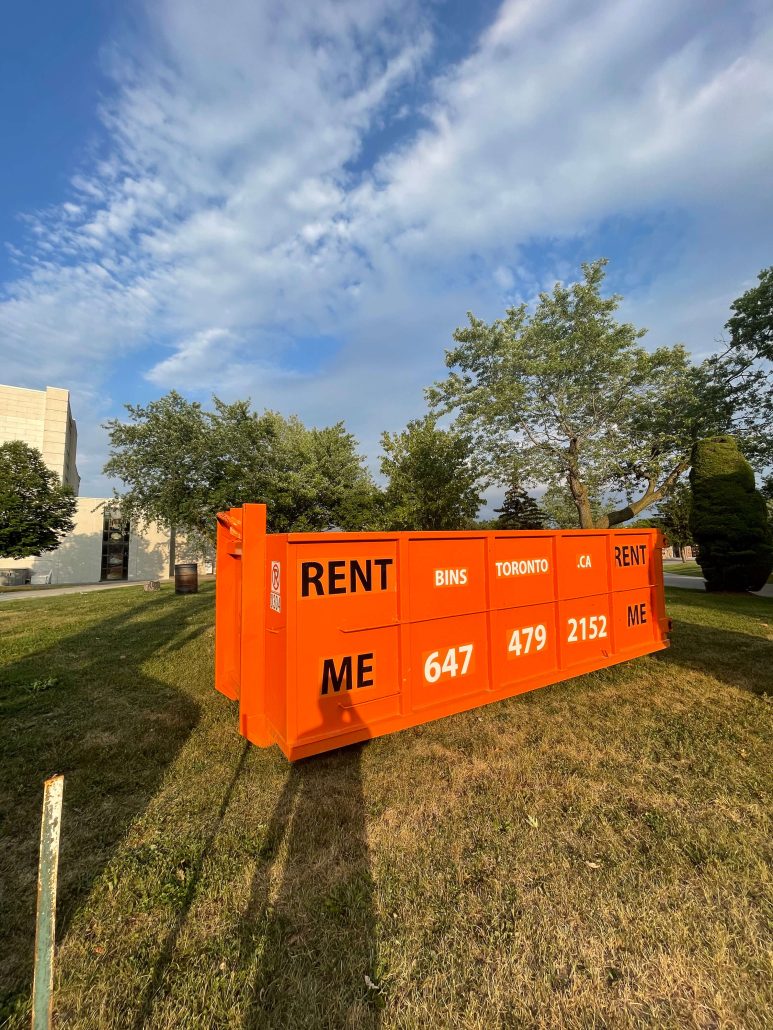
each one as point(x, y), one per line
point(42, 419)
point(101, 546)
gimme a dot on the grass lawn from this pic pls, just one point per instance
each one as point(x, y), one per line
point(595, 853)
point(687, 568)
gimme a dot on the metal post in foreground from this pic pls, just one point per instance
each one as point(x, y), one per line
point(45, 930)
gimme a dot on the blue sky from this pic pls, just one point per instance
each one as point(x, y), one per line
point(299, 203)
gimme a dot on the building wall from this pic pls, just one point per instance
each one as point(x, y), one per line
point(79, 558)
point(42, 419)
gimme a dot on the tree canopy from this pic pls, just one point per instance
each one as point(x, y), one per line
point(672, 516)
point(36, 510)
point(432, 480)
point(751, 324)
point(567, 396)
point(181, 464)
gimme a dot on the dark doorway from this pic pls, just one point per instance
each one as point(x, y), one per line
point(115, 547)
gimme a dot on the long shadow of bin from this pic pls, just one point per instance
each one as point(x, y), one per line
point(309, 934)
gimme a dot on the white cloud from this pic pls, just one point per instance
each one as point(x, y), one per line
point(224, 220)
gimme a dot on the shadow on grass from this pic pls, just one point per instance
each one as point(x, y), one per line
point(84, 707)
point(306, 940)
point(721, 603)
point(167, 951)
point(309, 940)
point(742, 660)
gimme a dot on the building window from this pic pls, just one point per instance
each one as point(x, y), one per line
point(115, 547)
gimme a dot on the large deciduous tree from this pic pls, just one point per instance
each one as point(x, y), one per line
point(36, 510)
point(560, 509)
point(163, 456)
point(181, 464)
point(751, 324)
point(568, 397)
point(432, 480)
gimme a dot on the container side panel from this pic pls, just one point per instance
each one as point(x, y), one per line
point(449, 661)
point(633, 557)
point(635, 617)
point(584, 630)
point(582, 564)
point(345, 585)
point(446, 576)
point(340, 675)
point(524, 645)
point(522, 570)
point(347, 635)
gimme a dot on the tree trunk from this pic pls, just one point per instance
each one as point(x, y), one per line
point(650, 497)
point(578, 489)
point(172, 550)
point(582, 502)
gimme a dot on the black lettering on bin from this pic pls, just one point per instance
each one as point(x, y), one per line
point(337, 678)
point(335, 576)
point(311, 573)
point(637, 614)
point(363, 669)
point(383, 564)
point(631, 554)
point(364, 576)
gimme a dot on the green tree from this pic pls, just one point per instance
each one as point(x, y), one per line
point(729, 520)
point(737, 379)
point(568, 397)
point(433, 482)
point(310, 479)
point(162, 455)
point(766, 489)
point(560, 509)
point(181, 464)
point(672, 516)
point(751, 324)
point(519, 510)
point(36, 510)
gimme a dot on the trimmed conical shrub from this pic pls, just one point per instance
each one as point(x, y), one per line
point(729, 519)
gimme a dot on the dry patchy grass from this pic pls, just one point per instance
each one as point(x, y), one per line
point(592, 854)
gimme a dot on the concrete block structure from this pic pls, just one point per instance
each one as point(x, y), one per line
point(102, 546)
point(42, 419)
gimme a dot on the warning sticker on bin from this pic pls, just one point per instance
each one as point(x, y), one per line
point(275, 594)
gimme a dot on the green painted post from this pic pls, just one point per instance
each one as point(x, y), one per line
point(45, 930)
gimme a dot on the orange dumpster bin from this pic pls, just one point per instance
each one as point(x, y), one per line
point(326, 639)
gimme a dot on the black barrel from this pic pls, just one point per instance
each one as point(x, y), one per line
point(186, 578)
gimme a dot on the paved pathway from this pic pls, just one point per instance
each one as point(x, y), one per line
point(696, 583)
point(34, 594)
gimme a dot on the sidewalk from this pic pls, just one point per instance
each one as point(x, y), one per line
point(36, 593)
